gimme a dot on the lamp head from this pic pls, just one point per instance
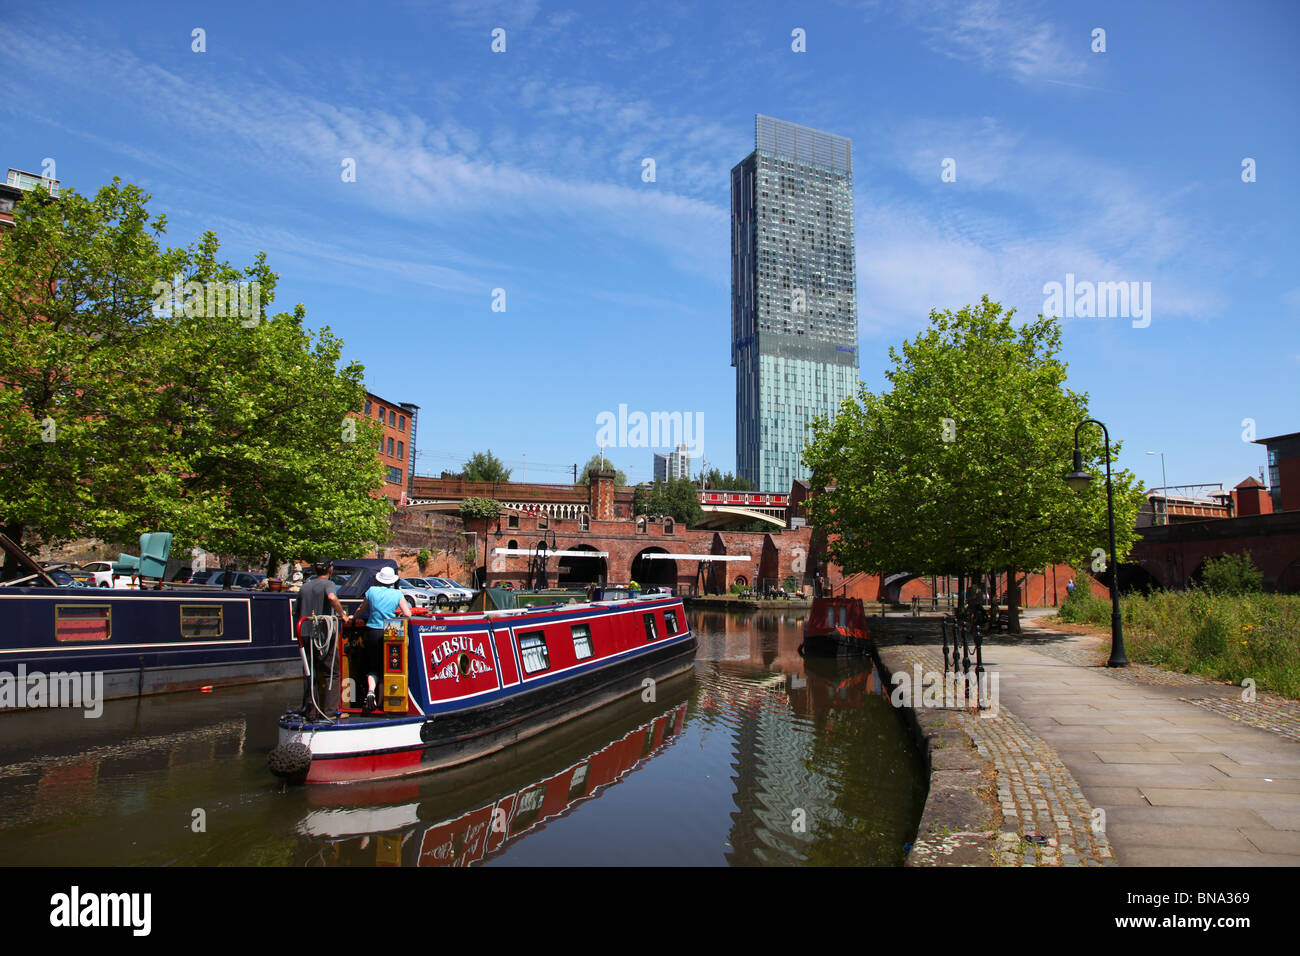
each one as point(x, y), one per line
point(1078, 479)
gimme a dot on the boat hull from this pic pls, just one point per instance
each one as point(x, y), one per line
point(379, 750)
point(501, 694)
point(148, 642)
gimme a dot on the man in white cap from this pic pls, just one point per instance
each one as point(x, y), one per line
point(383, 603)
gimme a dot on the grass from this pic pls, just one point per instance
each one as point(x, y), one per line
point(1226, 637)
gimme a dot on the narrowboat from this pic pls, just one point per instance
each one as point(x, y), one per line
point(836, 625)
point(161, 638)
point(460, 686)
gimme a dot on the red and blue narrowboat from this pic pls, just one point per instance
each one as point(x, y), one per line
point(456, 687)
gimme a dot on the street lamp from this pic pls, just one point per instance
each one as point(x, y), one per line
point(1164, 484)
point(1078, 480)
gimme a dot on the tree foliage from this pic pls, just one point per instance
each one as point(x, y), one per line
point(123, 409)
point(479, 508)
point(600, 463)
point(677, 497)
point(716, 480)
point(958, 467)
point(1232, 574)
point(485, 466)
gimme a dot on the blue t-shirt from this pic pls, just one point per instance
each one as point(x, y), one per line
point(383, 603)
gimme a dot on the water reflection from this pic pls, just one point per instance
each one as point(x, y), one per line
point(759, 757)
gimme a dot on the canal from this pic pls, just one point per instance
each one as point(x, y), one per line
point(757, 758)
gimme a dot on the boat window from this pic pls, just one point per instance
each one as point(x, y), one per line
point(83, 622)
point(532, 648)
point(577, 783)
point(844, 616)
point(201, 620)
point(581, 640)
point(670, 619)
point(650, 632)
point(830, 616)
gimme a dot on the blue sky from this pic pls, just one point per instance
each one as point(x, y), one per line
point(522, 171)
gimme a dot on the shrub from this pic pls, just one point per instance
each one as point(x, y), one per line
point(422, 559)
point(479, 508)
point(1232, 574)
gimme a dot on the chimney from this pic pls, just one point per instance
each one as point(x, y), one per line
point(601, 494)
point(1253, 499)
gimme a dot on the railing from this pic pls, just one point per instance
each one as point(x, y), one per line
point(968, 633)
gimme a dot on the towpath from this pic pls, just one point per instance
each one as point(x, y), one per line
point(1185, 772)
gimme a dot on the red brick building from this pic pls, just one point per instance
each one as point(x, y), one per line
point(397, 446)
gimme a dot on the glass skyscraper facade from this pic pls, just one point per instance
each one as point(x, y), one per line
point(794, 313)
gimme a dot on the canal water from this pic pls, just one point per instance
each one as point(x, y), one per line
point(758, 758)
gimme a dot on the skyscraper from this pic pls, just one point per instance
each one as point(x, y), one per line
point(794, 314)
point(674, 464)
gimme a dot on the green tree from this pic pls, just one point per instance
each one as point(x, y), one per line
point(600, 463)
point(716, 480)
point(485, 466)
point(677, 497)
point(957, 468)
point(208, 418)
point(76, 399)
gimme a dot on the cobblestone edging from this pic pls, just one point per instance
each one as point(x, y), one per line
point(1271, 712)
point(999, 794)
point(959, 823)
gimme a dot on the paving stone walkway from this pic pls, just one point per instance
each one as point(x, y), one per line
point(1184, 772)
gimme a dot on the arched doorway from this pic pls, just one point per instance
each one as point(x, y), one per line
point(651, 573)
point(583, 571)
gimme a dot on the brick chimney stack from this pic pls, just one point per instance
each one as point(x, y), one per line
point(1253, 498)
point(601, 493)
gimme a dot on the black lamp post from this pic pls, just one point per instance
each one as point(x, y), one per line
point(1078, 481)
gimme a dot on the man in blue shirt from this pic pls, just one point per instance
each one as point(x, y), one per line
point(383, 603)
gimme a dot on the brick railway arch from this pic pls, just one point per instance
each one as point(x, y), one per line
point(574, 572)
point(652, 573)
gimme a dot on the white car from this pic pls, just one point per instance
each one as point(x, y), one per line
point(100, 574)
point(429, 593)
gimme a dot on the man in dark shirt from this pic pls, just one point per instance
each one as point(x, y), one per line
point(319, 597)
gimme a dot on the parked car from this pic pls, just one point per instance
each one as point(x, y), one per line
point(241, 579)
point(465, 595)
point(427, 593)
point(100, 574)
point(60, 575)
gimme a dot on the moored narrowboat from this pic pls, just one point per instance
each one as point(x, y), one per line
point(456, 687)
point(836, 625)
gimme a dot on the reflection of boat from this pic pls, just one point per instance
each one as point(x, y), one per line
point(836, 625)
point(457, 687)
point(463, 819)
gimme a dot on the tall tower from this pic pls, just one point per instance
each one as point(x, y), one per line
point(794, 313)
